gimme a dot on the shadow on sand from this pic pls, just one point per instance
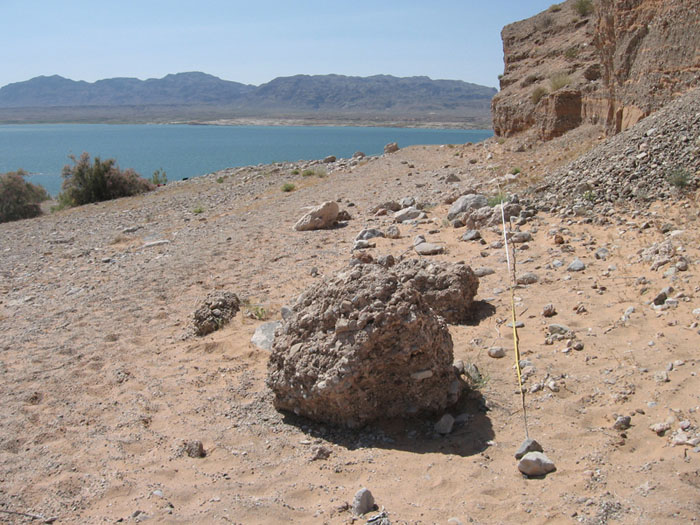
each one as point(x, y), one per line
point(417, 435)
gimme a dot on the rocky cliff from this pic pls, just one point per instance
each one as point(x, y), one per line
point(607, 62)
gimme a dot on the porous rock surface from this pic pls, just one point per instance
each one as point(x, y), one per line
point(361, 346)
point(217, 309)
point(449, 289)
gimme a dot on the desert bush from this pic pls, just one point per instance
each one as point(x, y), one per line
point(571, 53)
point(159, 177)
point(679, 178)
point(583, 7)
point(555, 8)
point(515, 171)
point(537, 94)
point(544, 22)
point(19, 199)
point(87, 182)
point(288, 186)
point(497, 199)
point(559, 80)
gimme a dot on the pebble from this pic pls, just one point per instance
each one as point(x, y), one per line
point(529, 445)
point(560, 329)
point(549, 310)
point(520, 237)
point(484, 271)
point(576, 266)
point(661, 377)
point(527, 278)
point(660, 428)
point(622, 423)
point(496, 352)
point(363, 502)
point(156, 243)
point(194, 449)
point(536, 464)
point(428, 248)
point(518, 324)
point(471, 235)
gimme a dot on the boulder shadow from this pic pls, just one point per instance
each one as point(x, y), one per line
point(478, 312)
point(470, 435)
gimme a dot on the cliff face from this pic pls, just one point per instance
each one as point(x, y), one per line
point(612, 66)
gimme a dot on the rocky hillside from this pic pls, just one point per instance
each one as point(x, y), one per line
point(611, 64)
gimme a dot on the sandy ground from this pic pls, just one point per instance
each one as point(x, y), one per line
point(102, 381)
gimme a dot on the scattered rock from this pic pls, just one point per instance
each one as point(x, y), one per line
point(622, 423)
point(363, 502)
point(369, 233)
point(408, 214)
point(428, 248)
point(217, 309)
point(559, 329)
point(444, 426)
point(549, 310)
point(576, 265)
point(529, 445)
point(193, 449)
point(329, 159)
point(496, 352)
point(393, 232)
point(527, 278)
point(660, 428)
point(484, 271)
point(392, 147)
point(466, 203)
point(318, 218)
point(471, 235)
point(536, 464)
point(520, 237)
point(265, 335)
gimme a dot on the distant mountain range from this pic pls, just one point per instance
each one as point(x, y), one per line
point(199, 95)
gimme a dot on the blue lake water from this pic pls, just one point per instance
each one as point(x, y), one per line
point(185, 151)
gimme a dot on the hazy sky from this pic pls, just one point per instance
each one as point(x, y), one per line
point(255, 41)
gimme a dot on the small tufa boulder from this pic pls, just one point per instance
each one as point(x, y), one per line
point(217, 309)
point(392, 147)
point(363, 502)
point(320, 217)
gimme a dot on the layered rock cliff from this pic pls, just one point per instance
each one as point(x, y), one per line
point(612, 64)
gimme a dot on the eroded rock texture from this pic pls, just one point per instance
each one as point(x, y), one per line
point(361, 346)
point(612, 66)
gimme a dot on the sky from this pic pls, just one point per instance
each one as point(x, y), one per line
point(254, 41)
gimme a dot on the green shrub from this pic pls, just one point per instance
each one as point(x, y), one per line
point(515, 171)
point(159, 177)
point(496, 199)
point(583, 7)
point(288, 186)
point(559, 80)
point(295, 171)
point(197, 210)
point(19, 199)
point(679, 178)
point(319, 172)
point(220, 180)
point(571, 53)
point(87, 182)
point(555, 8)
point(537, 94)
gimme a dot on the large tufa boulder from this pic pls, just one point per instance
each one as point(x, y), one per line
point(217, 309)
point(448, 288)
point(319, 218)
point(361, 346)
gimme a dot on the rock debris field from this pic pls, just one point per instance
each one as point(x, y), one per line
point(114, 410)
